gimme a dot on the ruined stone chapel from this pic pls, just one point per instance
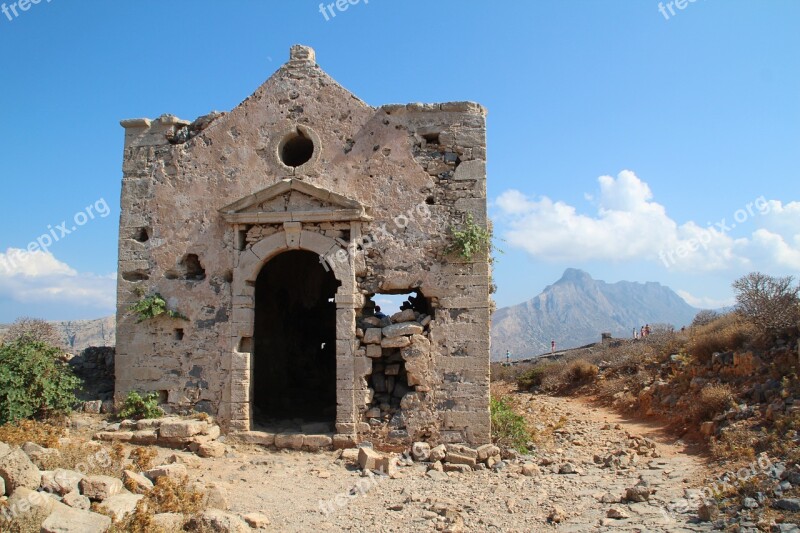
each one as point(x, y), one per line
point(272, 230)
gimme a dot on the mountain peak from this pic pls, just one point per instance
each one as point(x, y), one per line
point(575, 275)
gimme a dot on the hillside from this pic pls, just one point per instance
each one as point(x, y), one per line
point(576, 309)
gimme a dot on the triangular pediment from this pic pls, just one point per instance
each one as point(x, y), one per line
point(293, 200)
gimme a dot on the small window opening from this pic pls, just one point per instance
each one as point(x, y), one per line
point(431, 138)
point(163, 396)
point(296, 150)
point(179, 334)
point(193, 270)
point(142, 235)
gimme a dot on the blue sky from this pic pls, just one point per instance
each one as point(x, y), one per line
point(617, 134)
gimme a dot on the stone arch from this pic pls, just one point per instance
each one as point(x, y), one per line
point(248, 265)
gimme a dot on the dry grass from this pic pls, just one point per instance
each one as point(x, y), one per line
point(142, 458)
point(729, 332)
point(27, 522)
point(45, 433)
point(166, 497)
point(734, 444)
point(89, 458)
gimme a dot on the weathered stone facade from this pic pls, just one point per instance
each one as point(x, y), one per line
point(271, 228)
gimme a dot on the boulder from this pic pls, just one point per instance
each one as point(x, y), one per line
point(68, 520)
point(39, 455)
point(77, 501)
point(211, 449)
point(217, 498)
point(136, 483)
point(17, 470)
point(99, 488)
point(61, 481)
point(120, 506)
point(486, 451)
point(256, 520)
point(438, 453)
point(214, 520)
point(174, 472)
point(406, 315)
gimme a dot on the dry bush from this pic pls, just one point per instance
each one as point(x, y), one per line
point(728, 332)
point(712, 400)
point(167, 496)
point(88, 458)
point(770, 303)
point(582, 371)
point(44, 433)
point(734, 443)
point(34, 329)
point(142, 458)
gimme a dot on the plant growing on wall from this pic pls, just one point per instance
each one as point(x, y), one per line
point(471, 238)
point(153, 306)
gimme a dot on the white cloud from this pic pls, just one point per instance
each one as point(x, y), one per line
point(702, 302)
point(38, 277)
point(630, 225)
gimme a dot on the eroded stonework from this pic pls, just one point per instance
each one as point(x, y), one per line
point(273, 228)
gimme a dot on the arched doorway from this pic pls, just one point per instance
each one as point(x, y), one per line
point(294, 359)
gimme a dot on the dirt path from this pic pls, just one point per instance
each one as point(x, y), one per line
point(307, 492)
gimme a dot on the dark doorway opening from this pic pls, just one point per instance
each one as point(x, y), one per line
point(294, 362)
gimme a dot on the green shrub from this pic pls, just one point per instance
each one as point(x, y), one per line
point(470, 239)
point(509, 428)
point(34, 382)
point(532, 378)
point(153, 306)
point(137, 406)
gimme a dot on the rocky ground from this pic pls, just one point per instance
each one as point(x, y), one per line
point(321, 491)
point(590, 470)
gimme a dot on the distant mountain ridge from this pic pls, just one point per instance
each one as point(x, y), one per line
point(78, 335)
point(576, 309)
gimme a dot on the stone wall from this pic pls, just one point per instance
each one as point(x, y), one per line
point(303, 164)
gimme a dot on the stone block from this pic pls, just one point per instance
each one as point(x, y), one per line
point(181, 428)
point(395, 342)
point(17, 470)
point(404, 328)
point(174, 472)
point(372, 336)
point(368, 459)
point(68, 520)
point(292, 441)
point(317, 442)
point(100, 488)
point(136, 483)
point(374, 351)
point(120, 506)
